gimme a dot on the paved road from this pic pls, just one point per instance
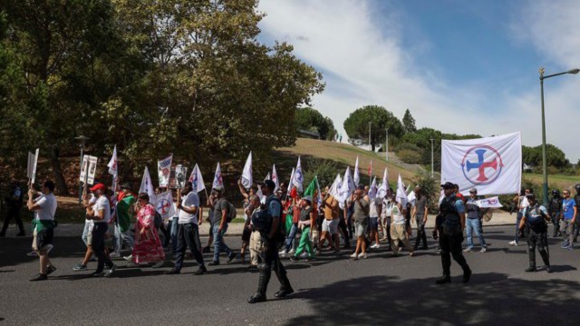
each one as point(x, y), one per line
point(332, 290)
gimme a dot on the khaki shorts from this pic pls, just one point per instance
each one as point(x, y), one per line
point(360, 228)
point(398, 232)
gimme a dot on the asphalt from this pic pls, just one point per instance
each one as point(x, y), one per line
point(332, 290)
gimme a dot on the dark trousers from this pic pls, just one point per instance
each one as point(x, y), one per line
point(556, 221)
point(451, 246)
point(188, 236)
point(272, 262)
point(343, 227)
point(13, 212)
point(421, 235)
point(538, 239)
point(98, 246)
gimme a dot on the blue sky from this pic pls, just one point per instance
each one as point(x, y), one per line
point(458, 66)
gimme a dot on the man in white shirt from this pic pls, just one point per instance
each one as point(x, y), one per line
point(188, 230)
point(44, 208)
point(100, 214)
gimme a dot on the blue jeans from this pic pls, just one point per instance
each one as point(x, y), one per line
point(173, 234)
point(121, 237)
point(472, 226)
point(218, 242)
point(291, 236)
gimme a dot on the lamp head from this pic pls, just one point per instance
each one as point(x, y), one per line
point(574, 71)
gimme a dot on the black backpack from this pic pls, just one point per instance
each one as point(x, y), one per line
point(281, 234)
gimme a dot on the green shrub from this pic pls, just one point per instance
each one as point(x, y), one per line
point(409, 156)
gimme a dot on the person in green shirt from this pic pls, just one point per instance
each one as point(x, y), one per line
point(125, 201)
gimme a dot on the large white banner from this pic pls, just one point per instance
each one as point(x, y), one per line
point(492, 165)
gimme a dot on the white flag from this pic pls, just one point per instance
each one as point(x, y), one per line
point(298, 178)
point(113, 163)
point(492, 202)
point(411, 197)
point(373, 189)
point(268, 177)
point(147, 186)
point(347, 186)
point(382, 192)
point(291, 178)
point(492, 164)
point(335, 188)
point(356, 173)
point(164, 170)
point(196, 180)
point(247, 179)
point(31, 166)
point(401, 194)
point(165, 205)
point(218, 181)
point(275, 178)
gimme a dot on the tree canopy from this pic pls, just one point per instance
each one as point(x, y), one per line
point(152, 77)
point(409, 122)
point(312, 120)
point(379, 119)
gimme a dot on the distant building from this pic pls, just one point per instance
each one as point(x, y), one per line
point(308, 134)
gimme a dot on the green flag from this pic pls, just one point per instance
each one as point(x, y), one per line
point(311, 190)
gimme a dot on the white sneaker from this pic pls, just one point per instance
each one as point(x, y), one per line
point(354, 255)
point(114, 255)
point(483, 249)
point(375, 246)
point(158, 264)
point(514, 243)
point(467, 250)
point(31, 254)
point(304, 255)
point(362, 256)
point(292, 251)
point(128, 258)
point(282, 253)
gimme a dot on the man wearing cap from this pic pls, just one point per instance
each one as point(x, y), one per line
point(452, 212)
point(535, 217)
point(270, 258)
point(100, 214)
point(125, 201)
point(360, 217)
point(473, 222)
point(221, 209)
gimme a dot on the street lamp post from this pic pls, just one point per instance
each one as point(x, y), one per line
point(82, 138)
point(432, 161)
point(387, 146)
point(544, 159)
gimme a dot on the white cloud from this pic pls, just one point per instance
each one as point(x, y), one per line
point(359, 50)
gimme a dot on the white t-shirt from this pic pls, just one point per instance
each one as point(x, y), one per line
point(176, 212)
point(190, 200)
point(387, 208)
point(373, 207)
point(47, 204)
point(398, 217)
point(104, 205)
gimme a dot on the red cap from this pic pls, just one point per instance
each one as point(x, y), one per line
point(98, 186)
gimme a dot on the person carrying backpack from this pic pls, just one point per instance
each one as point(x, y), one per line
point(223, 213)
point(270, 233)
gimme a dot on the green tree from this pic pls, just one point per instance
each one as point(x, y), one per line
point(312, 120)
point(357, 125)
point(409, 122)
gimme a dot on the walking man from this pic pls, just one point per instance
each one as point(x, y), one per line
point(452, 212)
point(473, 222)
point(221, 209)
point(44, 208)
point(14, 202)
point(420, 211)
point(100, 214)
point(569, 215)
point(535, 217)
point(188, 230)
point(270, 233)
point(125, 202)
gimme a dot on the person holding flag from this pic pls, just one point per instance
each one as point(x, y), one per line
point(330, 222)
point(188, 231)
point(306, 223)
point(360, 216)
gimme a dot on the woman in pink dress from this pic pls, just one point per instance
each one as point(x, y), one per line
point(148, 248)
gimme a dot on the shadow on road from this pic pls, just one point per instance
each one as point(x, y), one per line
point(489, 298)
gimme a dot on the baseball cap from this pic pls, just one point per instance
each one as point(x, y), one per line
point(448, 185)
point(98, 186)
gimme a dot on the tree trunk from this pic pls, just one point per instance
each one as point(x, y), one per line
point(61, 188)
point(373, 146)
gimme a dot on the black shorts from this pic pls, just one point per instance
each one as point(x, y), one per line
point(42, 239)
point(246, 234)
